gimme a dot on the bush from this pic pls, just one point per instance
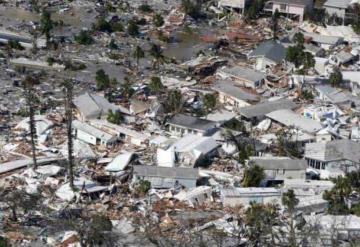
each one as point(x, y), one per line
point(14, 44)
point(50, 61)
point(4, 242)
point(84, 38)
point(192, 9)
point(158, 20)
point(145, 8)
point(102, 25)
point(133, 28)
point(115, 117)
point(143, 187)
point(155, 84)
point(117, 26)
point(102, 80)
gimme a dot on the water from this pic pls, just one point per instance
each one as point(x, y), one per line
point(187, 45)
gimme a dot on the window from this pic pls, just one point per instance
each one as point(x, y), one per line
point(323, 166)
point(282, 6)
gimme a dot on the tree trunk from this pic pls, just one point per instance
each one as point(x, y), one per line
point(69, 117)
point(14, 215)
point(32, 125)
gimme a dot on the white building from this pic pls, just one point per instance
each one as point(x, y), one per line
point(89, 134)
point(292, 8)
point(244, 196)
point(234, 4)
point(234, 96)
point(280, 168)
point(335, 157)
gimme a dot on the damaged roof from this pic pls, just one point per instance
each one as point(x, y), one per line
point(229, 88)
point(338, 3)
point(244, 73)
point(274, 163)
point(192, 122)
point(93, 105)
point(87, 128)
point(264, 108)
point(166, 172)
point(271, 50)
point(290, 119)
point(333, 150)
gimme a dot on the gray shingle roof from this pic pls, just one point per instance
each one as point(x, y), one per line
point(229, 88)
point(271, 50)
point(297, 2)
point(334, 150)
point(337, 3)
point(166, 172)
point(192, 122)
point(264, 108)
point(93, 105)
point(244, 73)
point(276, 163)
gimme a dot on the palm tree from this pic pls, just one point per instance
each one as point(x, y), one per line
point(274, 23)
point(34, 35)
point(209, 101)
point(126, 88)
point(68, 90)
point(290, 201)
point(28, 85)
point(174, 102)
point(157, 53)
point(138, 54)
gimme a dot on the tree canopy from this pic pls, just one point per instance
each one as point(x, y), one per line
point(253, 176)
point(336, 77)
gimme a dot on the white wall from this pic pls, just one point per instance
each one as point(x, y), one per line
point(245, 201)
point(83, 136)
point(226, 99)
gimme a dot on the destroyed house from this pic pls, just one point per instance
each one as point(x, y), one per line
point(89, 134)
point(24, 40)
point(334, 156)
point(280, 168)
point(290, 8)
point(194, 150)
point(29, 64)
point(257, 112)
point(346, 228)
point(181, 125)
point(93, 106)
point(244, 196)
point(326, 42)
point(243, 76)
point(166, 177)
point(233, 95)
point(291, 119)
point(267, 54)
point(124, 133)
